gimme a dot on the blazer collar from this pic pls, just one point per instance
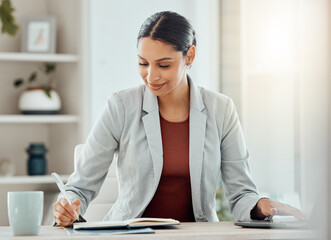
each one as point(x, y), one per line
point(195, 96)
point(150, 102)
point(151, 121)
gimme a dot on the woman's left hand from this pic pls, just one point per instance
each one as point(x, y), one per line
point(267, 207)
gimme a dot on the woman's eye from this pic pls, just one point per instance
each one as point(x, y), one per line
point(164, 66)
point(143, 64)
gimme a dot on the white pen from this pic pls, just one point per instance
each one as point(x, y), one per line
point(60, 185)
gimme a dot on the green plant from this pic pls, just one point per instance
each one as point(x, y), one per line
point(41, 78)
point(8, 20)
point(222, 207)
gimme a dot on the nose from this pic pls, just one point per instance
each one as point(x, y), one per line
point(153, 75)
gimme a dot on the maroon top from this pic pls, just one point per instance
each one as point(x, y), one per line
point(173, 196)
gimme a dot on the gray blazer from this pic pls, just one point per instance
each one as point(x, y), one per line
point(129, 127)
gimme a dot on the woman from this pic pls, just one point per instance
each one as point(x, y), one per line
point(173, 139)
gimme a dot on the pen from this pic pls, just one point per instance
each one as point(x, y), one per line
point(60, 185)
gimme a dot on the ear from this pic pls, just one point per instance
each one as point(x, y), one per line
point(190, 55)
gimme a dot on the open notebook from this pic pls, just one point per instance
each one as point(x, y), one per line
point(131, 223)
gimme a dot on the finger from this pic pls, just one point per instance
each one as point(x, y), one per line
point(68, 207)
point(300, 214)
point(62, 223)
point(282, 209)
point(76, 206)
point(268, 208)
point(270, 211)
point(61, 210)
point(286, 209)
point(60, 218)
point(274, 211)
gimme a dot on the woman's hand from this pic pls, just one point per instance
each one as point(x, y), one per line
point(267, 207)
point(63, 213)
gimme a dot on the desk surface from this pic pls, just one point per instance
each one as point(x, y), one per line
point(191, 231)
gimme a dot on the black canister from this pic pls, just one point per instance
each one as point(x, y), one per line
point(37, 164)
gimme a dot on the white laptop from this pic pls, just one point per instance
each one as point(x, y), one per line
point(285, 221)
point(275, 222)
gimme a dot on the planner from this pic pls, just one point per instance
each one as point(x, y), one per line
point(129, 224)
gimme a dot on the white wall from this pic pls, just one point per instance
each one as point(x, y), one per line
point(274, 65)
point(114, 29)
point(328, 179)
point(268, 35)
point(314, 103)
point(230, 51)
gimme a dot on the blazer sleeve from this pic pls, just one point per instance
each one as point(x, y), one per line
point(97, 154)
point(239, 187)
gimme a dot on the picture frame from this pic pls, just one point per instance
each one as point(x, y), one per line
point(39, 35)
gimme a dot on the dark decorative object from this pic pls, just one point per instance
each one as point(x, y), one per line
point(37, 164)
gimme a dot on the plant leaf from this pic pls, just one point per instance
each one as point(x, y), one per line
point(6, 16)
point(49, 67)
point(18, 82)
point(47, 91)
point(32, 77)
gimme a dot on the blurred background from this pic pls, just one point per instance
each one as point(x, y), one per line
point(272, 57)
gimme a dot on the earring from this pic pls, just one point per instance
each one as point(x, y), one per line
point(188, 66)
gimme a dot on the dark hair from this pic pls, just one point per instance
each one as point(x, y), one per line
point(169, 27)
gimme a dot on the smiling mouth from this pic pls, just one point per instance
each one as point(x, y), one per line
point(156, 86)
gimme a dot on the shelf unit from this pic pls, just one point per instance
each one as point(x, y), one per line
point(29, 57)
point(38, 118)
point(30, 180)
point(61, 132)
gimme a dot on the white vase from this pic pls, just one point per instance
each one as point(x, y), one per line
point(35, 101)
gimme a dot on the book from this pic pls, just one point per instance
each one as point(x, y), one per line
point(129, 224)
point(71, 231)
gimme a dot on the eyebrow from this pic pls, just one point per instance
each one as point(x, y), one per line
point(161, 59)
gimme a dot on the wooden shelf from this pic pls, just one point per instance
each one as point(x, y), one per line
point(45, 179)
point(37, 57)
point(39, 119)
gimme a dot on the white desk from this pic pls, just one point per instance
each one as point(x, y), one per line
point(191, 231)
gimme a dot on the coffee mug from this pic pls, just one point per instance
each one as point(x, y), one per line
point(25, 212)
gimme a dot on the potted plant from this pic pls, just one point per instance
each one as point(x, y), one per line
point(40, 96)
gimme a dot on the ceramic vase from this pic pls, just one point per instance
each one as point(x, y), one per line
point(35, 101)
point(37, 164)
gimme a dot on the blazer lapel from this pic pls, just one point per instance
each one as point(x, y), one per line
point(151, 123)
point(198, 120)
point(197, 139)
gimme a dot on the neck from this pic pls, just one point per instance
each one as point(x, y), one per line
point(175, 105)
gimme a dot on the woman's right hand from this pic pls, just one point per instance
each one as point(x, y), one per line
point(267, 207)
point(63, 213)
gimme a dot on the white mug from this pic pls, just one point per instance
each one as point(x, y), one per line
point(25, 212)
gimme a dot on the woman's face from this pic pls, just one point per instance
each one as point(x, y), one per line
point(161, 67)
